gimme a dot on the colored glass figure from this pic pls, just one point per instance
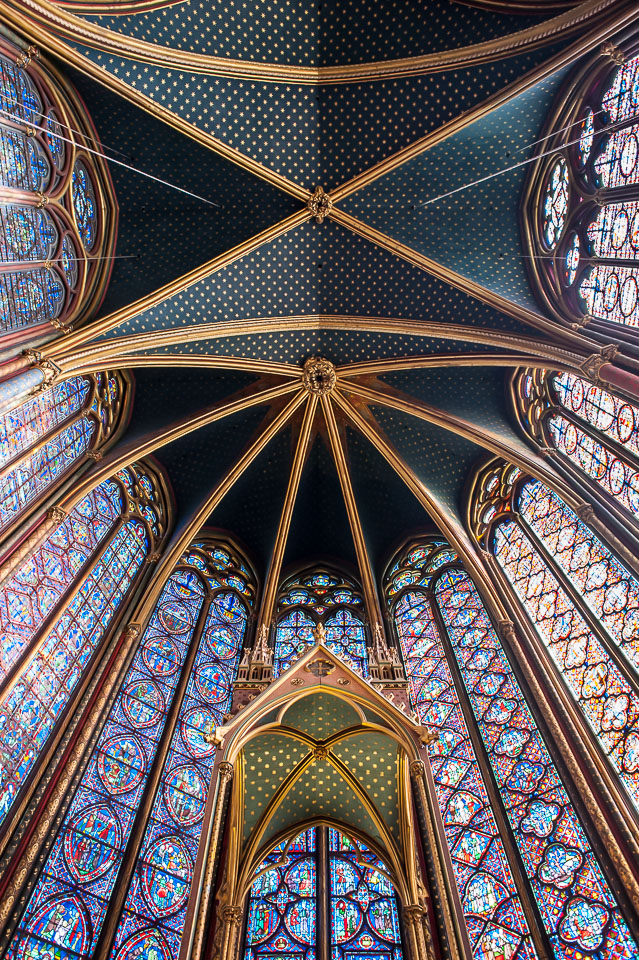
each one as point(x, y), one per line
point(617, 164)
point(586, 137)
point(282, 911)
point(161, 886)
point(18, 96)
point(621, 100)
point(603, 694)
point(26, 234)
point(23, 165)
point(595, 406)
point(555, 205)
point(364, 916)
point(494, 915)
point(83, 864)
point(577, 907)
point(84, 204)
point(30, 422)
point(320, 597)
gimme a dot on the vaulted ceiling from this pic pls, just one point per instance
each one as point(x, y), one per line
point(421, 302)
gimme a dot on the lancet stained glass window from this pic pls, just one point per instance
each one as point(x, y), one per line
point(34, 454)
point(597, 432)
point(52, 630)
point(45, 242)
point(584, 249)
point(570, 586)
point(283, 909)
point(320, 596)
point(186, 659)
point(457, 668)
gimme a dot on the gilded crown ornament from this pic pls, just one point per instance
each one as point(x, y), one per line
point(319, 376)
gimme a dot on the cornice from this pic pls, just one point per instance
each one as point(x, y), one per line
point(60, 18)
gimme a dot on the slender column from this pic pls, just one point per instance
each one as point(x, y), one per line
point(38, 377)
point(363, 560)
point(420, 943)
point(193, 939)
point(275, 566)
point(52, 519)
point(454, 928)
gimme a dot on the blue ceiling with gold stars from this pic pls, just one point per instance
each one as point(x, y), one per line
point(420, 279)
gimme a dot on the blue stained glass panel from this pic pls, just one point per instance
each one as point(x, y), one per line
point(23, 426)
point(29, 710)
point(24, 483)
point(28, 298)
point(493, 912)
point(162, 882)
point(294, 636)
point(576, 904)
point(38, 585)
point(113, 783)
point(84, 204)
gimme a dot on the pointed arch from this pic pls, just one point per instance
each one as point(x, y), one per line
point(152, 761)
point(506, 812)
point(320, 595)
point(51, 433)
point(59, 607)
point(581, 203)
point(58, 214)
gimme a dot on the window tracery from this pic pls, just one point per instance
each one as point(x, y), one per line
point(594, 431)
point(172, 697)
point(282, 915)
point(579, 598)
point(59, 605)
point(582, 206)
point(320, 596)
point(57, 230)
point(46, 436)
point(458, 669)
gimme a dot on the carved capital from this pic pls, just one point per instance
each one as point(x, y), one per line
point(507, 631)
point(585, 512)
point(42, 199)
point(226, 771)
point(50, 371)
point(320, 204)
point(232, 915)
point(24, 59)
point(57, 514)
point(413, 913)
point(608, 49)
point(547, 452)
point(94, 455)
point(591, 367)
point(153, 558)
point(132, 631)
point(33, 356)
point(417, 769)
point(319, 376)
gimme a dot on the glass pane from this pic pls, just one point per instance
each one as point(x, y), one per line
point(23, 426)
point(605, 697)
point(160, 890)
point(615, 232)
point(493, 912)
point(82, 866)
point(616, 418)
point(281, 922)
point(611, 293)
point(576, 904)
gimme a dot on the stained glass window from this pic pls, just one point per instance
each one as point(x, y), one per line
point(580, 599)
point(34, 455)
point(596, 432)
point(51, 630)
point(314, 597)
point(43, 243)
point(459, 672)
point(577, 246)
point(194, 627)
point(284, 910)
point(578, 909)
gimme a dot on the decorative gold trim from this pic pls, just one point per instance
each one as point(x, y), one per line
point(275, 565)
point(65, 23)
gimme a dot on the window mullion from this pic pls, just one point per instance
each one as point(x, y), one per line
point(503, 825)
point(323, 894)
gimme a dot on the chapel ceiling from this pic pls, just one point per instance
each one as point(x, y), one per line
point(424, 309)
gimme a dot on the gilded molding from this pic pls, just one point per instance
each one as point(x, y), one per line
point(65, 23)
